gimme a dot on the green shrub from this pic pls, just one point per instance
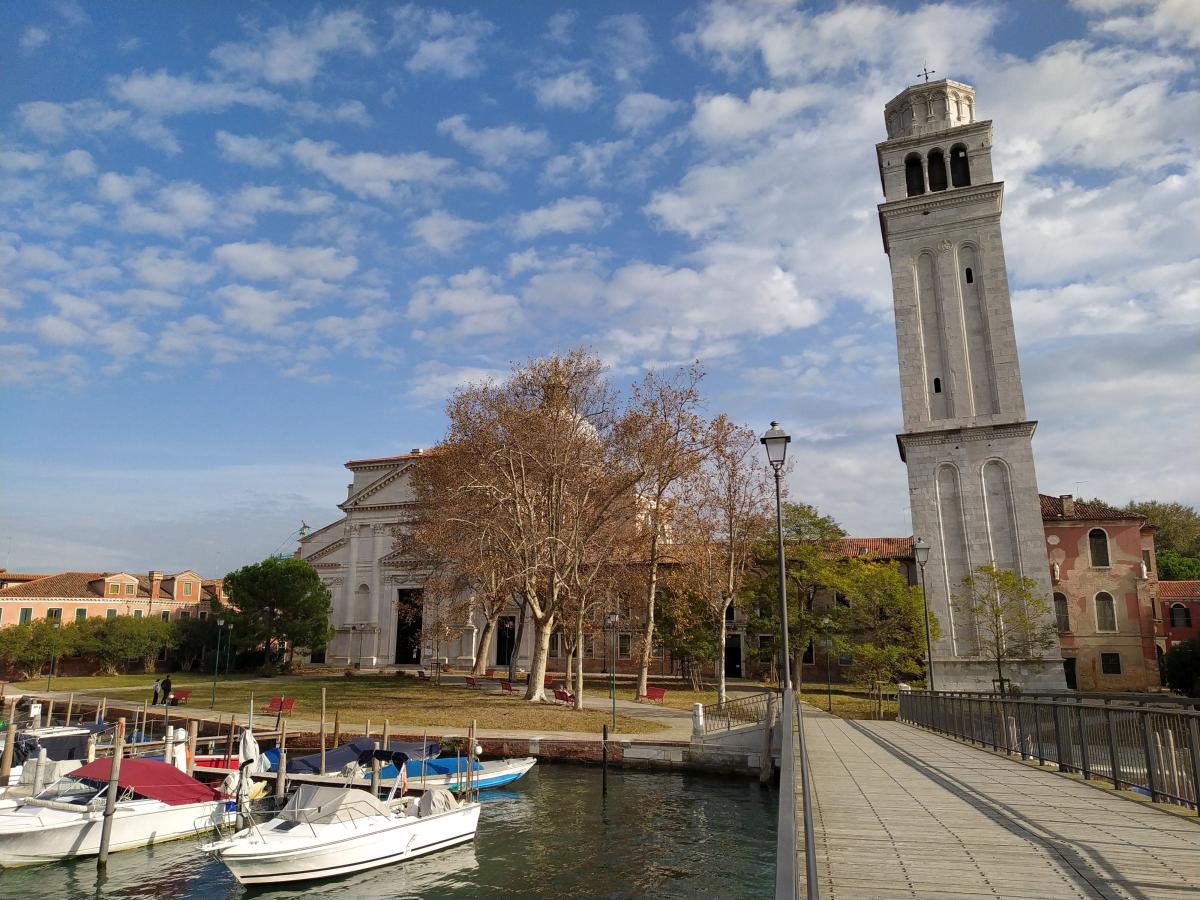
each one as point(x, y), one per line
point(1181, 667)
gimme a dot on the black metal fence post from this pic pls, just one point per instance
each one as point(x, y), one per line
point(1148, 752)
point(1114, 760)
point(1194, 734)
point(1083, 750)
point(1058, 736)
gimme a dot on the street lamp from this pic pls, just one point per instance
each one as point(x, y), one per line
point(827, 624)
point(229, 649)
point(216, 664)
point(921, 552)
point(776, 441)
point(613, 618)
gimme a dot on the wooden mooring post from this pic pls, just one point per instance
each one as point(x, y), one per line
point(110, 798)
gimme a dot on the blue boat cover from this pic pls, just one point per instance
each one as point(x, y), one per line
point(359, 751)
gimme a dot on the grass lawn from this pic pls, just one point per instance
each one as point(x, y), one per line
point(844, 705)
point(405, 702)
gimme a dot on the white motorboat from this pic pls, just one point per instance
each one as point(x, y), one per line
point(157, 803)
point(326, 831)
point(61, 742)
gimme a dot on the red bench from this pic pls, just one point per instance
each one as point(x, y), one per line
point(180, 698)
point(654, 695)
point(507, 687)
point(566, 698)
point(472, 681)
point(548, 681)
point(280, 705)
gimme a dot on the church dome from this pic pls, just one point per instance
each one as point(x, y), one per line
point(929, 108)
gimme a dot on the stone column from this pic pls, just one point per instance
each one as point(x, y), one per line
point(379, 535)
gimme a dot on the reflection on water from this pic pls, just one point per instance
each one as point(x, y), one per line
point(550, 834)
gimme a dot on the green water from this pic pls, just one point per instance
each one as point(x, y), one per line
point(548, 835)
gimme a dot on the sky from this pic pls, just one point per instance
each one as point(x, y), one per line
point(242, 243)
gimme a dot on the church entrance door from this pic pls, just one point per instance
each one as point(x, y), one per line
point(408, 626)
point(506, 638)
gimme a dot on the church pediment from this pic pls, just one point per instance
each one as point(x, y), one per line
point(325, 552)
point(390, 489)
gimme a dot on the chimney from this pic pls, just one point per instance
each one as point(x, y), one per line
point(155, 584)
point(416, 451)
point(1068, 505)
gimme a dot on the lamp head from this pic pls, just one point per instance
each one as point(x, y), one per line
point(776, 441)
point(921, 551)
point(220, 623)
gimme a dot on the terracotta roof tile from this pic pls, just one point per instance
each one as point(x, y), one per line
point(1052, 508)
point(1179, 590)
point(64, 584)
point(6, 575)
point(879, 548)
point(384, 459)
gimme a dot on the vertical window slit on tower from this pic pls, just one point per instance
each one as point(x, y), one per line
point(937, 385)
point(937, 171)
point(914, 176)
point(970, 276)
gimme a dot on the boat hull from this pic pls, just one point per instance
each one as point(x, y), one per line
point(395, 841)
point(31, 835)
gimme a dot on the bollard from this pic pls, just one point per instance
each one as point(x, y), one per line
point(697, 721)
point(110, 799)
point(281, 776)
point(604, 761)
point(387, 733)
point(375, 772)
point(193, 732)
point(169, 747)
point(39, 770)
point(10, 739)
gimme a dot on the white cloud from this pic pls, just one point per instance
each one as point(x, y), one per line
point(590, 163)
point(168, 269)
point(433, 382)
point(444, 231)
point(624, 42)
point(34, 38)
point(572, 90)
point(267, 261)
point(287, 55)
point(472, 302)
point(248, 149)
point(20, 161)
point(566, 215)
point(352, 111)
point(440, 42)
point(257, 311)
point(252, 200)
point(497, 145)
point(378, 175)
point(163, 94)
point(724, 117)
point(641, 111)
point(558, 26)
point(58, 330)
point(78, 163)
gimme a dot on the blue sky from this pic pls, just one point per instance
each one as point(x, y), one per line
point(245, 242)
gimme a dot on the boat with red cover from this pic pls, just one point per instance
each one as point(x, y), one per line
point(156, 803)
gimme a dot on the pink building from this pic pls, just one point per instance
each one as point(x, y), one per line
point(1179, 611)
point(73, 596)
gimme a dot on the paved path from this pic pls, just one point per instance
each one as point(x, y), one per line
point(901, 812)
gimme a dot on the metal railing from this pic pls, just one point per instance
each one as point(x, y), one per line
point(1174, 701)
point(1153, 752)
point(726, 716)
point(794, 827)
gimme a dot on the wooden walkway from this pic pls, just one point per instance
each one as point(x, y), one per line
point(901, 812)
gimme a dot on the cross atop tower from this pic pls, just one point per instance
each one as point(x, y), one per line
point(926, 71)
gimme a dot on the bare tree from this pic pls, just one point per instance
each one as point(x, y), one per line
point(668, 442)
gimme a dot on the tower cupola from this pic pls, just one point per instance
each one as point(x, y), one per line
point(929, 108)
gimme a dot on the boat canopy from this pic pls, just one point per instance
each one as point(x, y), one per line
point(316, 804)
point(150, 778)
point(358, 752)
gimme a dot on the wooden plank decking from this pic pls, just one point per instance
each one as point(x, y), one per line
point(900, 812)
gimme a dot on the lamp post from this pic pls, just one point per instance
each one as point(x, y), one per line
point(776, 441)
point(612, 672)
point(216, 664)
point(921, 553)
point(827, 624)
point(229, 648)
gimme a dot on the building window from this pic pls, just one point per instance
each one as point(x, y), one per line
point(110, 614)
point(137, 613)
point(810, 654)
point(203, 615)
point(129, 589)
point(841, 600)
point(624, 642)
point(914, 175)
point(114, 589)
point(80, 614)
point(589, 646)
point(658, 651)
point(845, 659)
point(184, 615)
point(26, 615)
point(937, 171)
point(729, 613)
point(1110, 663)
point(54, 615)
point(1148, 562)
point(1098, 547)
point(960, 166)
point(1181, 616)
point(555, 645)
point(187, 589)
point(1062, 613)
point(165, 615)
point(1106, 612)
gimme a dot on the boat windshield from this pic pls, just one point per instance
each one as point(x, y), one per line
point(72, 790)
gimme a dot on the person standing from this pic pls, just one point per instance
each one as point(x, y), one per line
point(166, 690)
point(157, 688)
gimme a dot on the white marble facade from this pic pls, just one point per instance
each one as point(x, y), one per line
point(967, 441)
point(356, 557)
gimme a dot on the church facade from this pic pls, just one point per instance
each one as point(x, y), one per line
point(967, 440)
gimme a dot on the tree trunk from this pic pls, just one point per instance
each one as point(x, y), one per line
point(516, 649)
point(1000, 674)
point(485, 645)
point(648, 634)
point(570, 666)
point(720, 673)
point(535, 690)
point(579, 670)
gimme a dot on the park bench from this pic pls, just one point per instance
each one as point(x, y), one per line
point(654, 695)
point(472, 681)
point(180, 698)
point(507, 687)
point(566, 698)
point(280, 705)
point(422, 675)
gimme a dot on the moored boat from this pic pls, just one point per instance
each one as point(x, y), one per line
point(157, 803)
point(325, 831)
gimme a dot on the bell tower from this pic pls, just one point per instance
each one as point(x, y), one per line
point(967, 441)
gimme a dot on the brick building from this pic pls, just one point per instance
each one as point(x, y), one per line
point(72, 596)
point(1179, 612)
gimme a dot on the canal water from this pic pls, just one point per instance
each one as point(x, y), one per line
point(549, 834)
